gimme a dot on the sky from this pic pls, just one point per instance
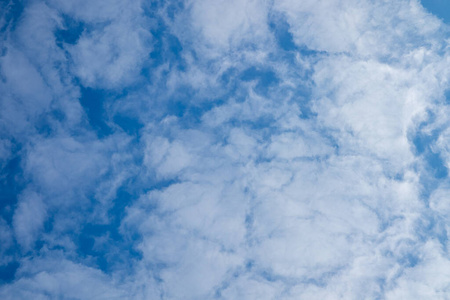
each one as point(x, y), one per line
point(212, 149)
point(440, 8)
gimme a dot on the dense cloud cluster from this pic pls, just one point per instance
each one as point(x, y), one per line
point(209, 149)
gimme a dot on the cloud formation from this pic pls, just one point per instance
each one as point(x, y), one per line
point(223, 150)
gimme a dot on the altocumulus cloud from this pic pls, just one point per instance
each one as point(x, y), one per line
point(224, 150)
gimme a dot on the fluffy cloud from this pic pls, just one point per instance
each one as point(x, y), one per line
point(29, 219)
point(61, 278)
point(247, 149)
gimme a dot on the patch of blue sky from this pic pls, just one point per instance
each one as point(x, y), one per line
point(11, 184)
point(10, 12)
point(265, 78)
point(423, 145)
point(280, 28)
point(166, 46)
point(435, 169)
point(8, 272)
point(93, 102)
point(106, 248)
point(439, 8)
point(447, 96)
point(123, 199)
point(70, 32)
point(97, 241)
point(129, 124)
point(110, 231)
point(166, 49)
point(436, 164)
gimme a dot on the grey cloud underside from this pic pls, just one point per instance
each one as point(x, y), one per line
point(224, 150)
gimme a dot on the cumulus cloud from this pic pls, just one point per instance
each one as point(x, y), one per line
point(223, 150)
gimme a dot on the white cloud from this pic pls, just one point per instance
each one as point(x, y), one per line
point(329, 203)
point(358, 27)
point(29, 218)
point(112, 55)
point(95, 11)
point(35, 74)
point(248, 286)
point(71, 164)
point(167, 158)
point(429, 279)
point(310, 187)
point(26, 94)
point(61, 278)
point(230, 24)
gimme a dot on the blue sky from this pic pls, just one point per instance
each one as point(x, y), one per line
point(439, 8)
point(209, 149)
